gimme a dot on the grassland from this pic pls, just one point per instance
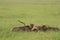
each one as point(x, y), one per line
point(38, 12)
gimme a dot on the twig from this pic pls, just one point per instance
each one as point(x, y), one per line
point(21, 22)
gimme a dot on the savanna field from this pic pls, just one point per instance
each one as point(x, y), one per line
point(38, 12)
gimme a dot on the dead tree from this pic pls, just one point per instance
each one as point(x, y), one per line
point(23, 28)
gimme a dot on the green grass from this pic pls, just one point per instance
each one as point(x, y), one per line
point(38, 12)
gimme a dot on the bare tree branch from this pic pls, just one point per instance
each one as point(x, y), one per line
point(21, 22)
